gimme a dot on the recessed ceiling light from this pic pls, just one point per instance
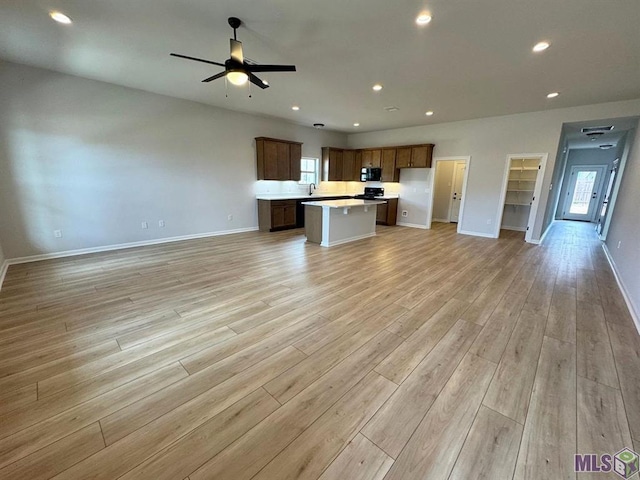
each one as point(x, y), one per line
point(429, 113)
point(295, 107)
point(60, 17)
point(541, 46)
point(423, 19)
point(552, 95)
point(377, 87)
point(356, 124)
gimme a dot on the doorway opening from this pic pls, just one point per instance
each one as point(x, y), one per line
point(448, 190)
point(588, 172)
point(584, 189)
point(521, 190)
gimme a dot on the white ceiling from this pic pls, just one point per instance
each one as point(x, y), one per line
point(576, 139)
point(474, 59)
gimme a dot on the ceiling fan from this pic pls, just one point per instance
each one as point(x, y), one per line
point(237, 69)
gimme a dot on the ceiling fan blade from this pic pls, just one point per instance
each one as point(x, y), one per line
point(236, 51)
point(197, 59)
point(271, 68)
point(215, 77)
point(257, 82)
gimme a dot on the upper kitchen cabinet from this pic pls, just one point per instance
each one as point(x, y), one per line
point(340, 165)
point(421, 156)
point(278, 159)
point(390, 172)
point(332, 164)
point(403, 157)
point(414, 156)
point(350, 168)
point(372, 157)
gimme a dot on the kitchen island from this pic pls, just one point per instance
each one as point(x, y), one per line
point(332, 222)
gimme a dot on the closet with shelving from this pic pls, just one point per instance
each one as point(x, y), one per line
point(521, 183)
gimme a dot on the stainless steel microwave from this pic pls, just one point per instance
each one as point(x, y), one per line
point(370, 174)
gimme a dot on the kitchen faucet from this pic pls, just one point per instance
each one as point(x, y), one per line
point(312, 186)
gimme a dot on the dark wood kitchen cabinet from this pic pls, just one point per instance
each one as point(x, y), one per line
point(332, 164)
point(350, 169)
point(387, 213)
point(372, 157)
point(414, 156)
point(339, 165)
point(390, 172)
point(278, 159)
point(403, 157)
point(276, 215)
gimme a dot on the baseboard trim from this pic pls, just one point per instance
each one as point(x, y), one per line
point(122, 246)
point(625, 294)
point(412, 225)
point(3, 271)
point(441, 220)
point(515, 229)
point(477, 234)
point(348, 240)
point(544, 235)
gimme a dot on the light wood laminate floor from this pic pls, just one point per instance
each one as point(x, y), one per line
point(412, 355)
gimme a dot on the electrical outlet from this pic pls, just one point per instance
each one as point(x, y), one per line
point(58, 234)
point(161, 223)
point(619, 243)
point(145, 225)
point(405, 213)
point(229, 217)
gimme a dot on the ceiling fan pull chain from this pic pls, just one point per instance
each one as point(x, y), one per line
point(226, 87)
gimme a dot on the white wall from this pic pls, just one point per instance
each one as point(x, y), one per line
point(95, 160)
point(488, 141)
point(625, 228)
point(415, 196)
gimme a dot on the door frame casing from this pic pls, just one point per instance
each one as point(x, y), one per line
point(537, 191)
point(460, 158)
point(600, 187)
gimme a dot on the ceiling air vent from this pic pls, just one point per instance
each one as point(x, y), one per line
point(391, 109)
point(606, 146)
point(600, 130)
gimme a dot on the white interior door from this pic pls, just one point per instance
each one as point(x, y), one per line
point(458, 178)
point(584, 189)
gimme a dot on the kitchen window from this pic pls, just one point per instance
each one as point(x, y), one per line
point(308, 171)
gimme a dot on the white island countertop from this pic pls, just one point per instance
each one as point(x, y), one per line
point(346, 203)
point(319, 196)
point(299, 196)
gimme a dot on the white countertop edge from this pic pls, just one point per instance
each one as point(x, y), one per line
point(343, 203)
point(292, 196)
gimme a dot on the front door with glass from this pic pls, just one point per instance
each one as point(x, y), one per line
point(584, 189)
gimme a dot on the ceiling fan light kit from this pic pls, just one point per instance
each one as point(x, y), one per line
point(237, 77)
point(236, 70)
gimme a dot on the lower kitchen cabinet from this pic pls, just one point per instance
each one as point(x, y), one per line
point(388, 212)
point(276, 215)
